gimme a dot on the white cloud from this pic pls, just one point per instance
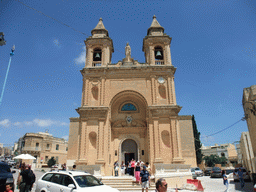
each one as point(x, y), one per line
point(65, 137)
point(81, 58)
point(5, 123)
point(41, 123)
point(17, 124)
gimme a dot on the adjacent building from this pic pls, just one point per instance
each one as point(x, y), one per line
point(247, 152)
point(224, 150)
point(129, 110)
point(43, 146)
point(249, 105)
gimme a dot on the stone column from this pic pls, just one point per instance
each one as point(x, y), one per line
point(89, 57)
point(158, 159)
point(177, 158)
point(173, 91)
point(151, 55)
point(83, 92)
point(151, 142)
point(153, 89)
point(82, 154)
point(101, 140)
point(86, 90)
point(102, 91)
point(170, 92)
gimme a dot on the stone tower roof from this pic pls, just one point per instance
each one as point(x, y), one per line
point(99, 30)
point(157, 28)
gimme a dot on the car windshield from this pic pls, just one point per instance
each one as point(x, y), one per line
point(87, 181)
point(4, 168)
point(216, 169)
point(197, 169)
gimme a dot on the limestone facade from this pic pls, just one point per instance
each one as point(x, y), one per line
point(247, 152)
point(249, 105)
point(43, 146)
point(129, 109)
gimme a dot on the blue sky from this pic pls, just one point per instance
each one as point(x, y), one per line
point(213, 48)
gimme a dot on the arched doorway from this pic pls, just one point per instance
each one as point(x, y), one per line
point(129, 150)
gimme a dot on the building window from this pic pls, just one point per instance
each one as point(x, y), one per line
point(222, 154)
point(66, 149)
point(46, 159)
point(37, 144)
point(57, 159)
point(128, 107)
point(48, 146)
point(57, 147)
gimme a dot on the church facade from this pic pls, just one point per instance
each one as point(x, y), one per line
point(129, 109)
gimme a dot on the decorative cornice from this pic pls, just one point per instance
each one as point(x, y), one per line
point(92, 112)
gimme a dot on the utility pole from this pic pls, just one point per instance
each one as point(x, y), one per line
point(11, 54)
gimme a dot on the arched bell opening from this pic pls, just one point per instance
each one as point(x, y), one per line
point(97, 57)
point(159, 56)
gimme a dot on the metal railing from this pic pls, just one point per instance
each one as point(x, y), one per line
point(159, 62)
point(96, 63)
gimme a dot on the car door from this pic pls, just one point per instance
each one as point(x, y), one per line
point(66, 180)
point(55, 184)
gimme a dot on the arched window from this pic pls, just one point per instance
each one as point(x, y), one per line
point(128, 107)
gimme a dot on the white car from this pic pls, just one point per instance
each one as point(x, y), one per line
point(198, 172)
point(67, 181)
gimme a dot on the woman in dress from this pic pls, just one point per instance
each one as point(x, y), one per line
point(132, 167)
point(122, 168)
point(137, 172)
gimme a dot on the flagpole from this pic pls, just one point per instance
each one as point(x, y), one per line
point(11, 54)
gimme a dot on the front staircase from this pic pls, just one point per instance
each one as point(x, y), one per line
point(126, 183)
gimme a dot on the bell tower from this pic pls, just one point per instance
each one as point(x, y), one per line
point(99, 47)
point(156, 45)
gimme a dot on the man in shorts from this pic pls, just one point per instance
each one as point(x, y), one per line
point(144, 179)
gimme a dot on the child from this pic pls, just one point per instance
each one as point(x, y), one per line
point(8, 188)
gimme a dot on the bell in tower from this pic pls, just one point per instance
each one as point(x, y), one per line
point(99, 47)
point(156, 45)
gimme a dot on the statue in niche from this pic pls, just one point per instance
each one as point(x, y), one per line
point(128, 51)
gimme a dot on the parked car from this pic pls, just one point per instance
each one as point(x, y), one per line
point(6, 176)
point(193, 173)
point(198, 172)
point(57, 181)
point(246, 174)
point(254, 188)
point(230, 172)
point(207, 171)
point(216, 172)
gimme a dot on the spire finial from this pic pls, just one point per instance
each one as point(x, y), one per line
point(154, 17)
point(100, 19)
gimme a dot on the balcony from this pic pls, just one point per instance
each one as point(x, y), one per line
point(159, 62)
point(96, 63)
point(31, 149)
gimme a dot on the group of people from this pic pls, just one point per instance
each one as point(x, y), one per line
point(130, 168)
point(26, 178)
point(140, 170)
point(239, 174)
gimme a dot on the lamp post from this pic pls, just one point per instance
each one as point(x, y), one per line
point(11, 54)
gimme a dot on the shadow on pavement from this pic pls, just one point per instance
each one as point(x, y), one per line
point(247, 187)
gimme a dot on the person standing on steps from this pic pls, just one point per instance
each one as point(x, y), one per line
point(144, 179)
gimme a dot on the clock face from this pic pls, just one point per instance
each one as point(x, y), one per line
point(161, 80)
